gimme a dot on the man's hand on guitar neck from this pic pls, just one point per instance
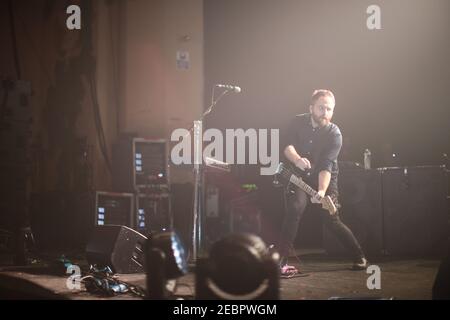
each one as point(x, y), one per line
point(319, 196)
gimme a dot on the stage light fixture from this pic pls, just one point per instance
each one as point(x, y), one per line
point(239, 267)
point(165, 260)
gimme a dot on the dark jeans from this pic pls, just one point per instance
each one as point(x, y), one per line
point(296, 205)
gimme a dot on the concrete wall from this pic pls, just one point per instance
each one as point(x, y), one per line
point(156, 96)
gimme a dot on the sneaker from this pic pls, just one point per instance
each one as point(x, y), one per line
point(360, 264)
point(288, 271)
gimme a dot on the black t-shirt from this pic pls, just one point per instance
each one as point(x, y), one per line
point(320, 146)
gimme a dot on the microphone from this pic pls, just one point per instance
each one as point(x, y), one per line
point(229, 87)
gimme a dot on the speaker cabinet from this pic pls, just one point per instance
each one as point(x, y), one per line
point(118, 247)
point(415, 210)
point(140, 165)
point(153, 213)
point(360, 194)
point(114, 208)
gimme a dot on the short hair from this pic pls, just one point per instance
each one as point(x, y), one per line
point(321, 93)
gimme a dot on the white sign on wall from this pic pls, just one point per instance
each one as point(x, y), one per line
point(183, 60)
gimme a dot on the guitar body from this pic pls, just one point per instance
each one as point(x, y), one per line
point(288, 176)
point(328, 204)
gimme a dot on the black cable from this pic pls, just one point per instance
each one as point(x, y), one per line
point(102, 139)
point(98, 121)
point(114, 69)
point(103, 283)
point(87, 47)
point(14, 40)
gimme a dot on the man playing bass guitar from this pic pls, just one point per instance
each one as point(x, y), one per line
point(313, 145)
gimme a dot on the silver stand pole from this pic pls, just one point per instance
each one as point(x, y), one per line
point(198, 189)
point(198, 179)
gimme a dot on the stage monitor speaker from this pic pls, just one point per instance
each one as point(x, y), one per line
point(415, 210)
point(360, 198)
point(119, 247)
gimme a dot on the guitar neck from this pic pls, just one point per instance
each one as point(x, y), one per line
point(302, 185)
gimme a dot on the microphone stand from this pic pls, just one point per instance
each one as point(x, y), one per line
point(199, 178)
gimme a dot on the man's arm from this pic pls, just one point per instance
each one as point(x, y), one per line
point(324, 181)
point(325, 165)
point(289, 151)
point(296, 159)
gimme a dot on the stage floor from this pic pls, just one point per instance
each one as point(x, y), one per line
point(323, 278)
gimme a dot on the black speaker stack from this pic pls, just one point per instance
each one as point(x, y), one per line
point(138, 206)
point(398, 211)
point(140, 198)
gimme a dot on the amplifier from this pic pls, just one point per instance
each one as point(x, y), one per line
point(153, 213)
point(113, 208)
point(360, 195)
point(394, 210)
point(415, 214)
point(140, 165)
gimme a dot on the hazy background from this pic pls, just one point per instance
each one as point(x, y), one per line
point(390, 85)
